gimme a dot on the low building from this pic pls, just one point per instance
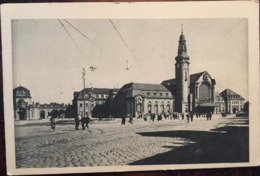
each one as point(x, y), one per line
point(220, 104)
point(22, 100)
point(88, 98)
point(137, 99)
point(25, 109)
point(234, 102)
point(42, 111)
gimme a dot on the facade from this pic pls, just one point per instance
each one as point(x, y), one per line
point(88, 99)
point(220, 104)
point(192, 92)
point(234, 102)
point(42, 111)
point(22, 100)
point(25, 109)
point(136, 99)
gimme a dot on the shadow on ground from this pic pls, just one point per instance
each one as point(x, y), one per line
point(220, 145)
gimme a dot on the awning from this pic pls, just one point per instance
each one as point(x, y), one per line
point(204, 105)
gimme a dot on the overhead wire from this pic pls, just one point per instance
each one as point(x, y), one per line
point(85, 36)
point(70, 36)
point(123, 41)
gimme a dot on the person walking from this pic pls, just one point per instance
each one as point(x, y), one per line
point(123, 120)
point(83, 121)
point(210, 115)
point(53, 123)
point(188, 117)
point(207, 115)
point(191, 117)
point(87, 120)
point(77, 120)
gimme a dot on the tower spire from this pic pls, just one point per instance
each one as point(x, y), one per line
point(181, 28)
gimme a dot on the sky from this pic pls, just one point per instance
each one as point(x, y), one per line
point(49, 61)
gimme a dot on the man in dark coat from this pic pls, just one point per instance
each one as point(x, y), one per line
point(87, 120)
point(77, 120)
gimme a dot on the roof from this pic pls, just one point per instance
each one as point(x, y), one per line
point(21, 88)
point(21, 92)
point(227, 92)
point(193, 78)
point(133, 89)
point(79, 95)
point(144, 87)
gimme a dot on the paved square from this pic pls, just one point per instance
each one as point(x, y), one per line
point(108, 143)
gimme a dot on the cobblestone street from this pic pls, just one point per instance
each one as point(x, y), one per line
point(108, 143)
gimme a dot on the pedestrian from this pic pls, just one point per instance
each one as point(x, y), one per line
point(210, 115)
point(182, 116)
point(77, 120)
point(83, 121)
point(207, 115)
point(191, 117)
point(131, 119)
point(188, 117)
point(53, 122)
point(123, 120)
point(153, 117)
point(87, 120)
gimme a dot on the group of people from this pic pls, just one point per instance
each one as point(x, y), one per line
point(83, 120)
point(176, 116)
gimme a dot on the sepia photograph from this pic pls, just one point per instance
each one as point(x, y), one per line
point(128, 92)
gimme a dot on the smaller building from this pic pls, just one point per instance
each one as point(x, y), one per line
point(25, 109)
point(219, 104)
point(22, 100)
point(88, 98)
point(233, 101)
point(136, 99)
point(42, 111)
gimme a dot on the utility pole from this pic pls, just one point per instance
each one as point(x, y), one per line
point(83, 77)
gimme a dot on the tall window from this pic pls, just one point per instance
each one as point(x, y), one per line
point(204, 91)
point(185, 75)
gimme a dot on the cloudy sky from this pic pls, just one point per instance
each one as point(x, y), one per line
point(48, 58)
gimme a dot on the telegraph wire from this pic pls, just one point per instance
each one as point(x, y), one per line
point(123, 40)
point(70, 36)
point(85, 37)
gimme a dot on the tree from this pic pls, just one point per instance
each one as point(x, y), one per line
point(246, 107)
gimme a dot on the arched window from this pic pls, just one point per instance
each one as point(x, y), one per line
point(148, 94)
point(149, 107)
point(204, 91)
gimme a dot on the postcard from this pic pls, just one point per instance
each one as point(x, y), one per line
point(116, 87)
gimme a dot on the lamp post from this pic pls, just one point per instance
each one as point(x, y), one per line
point(83, 77)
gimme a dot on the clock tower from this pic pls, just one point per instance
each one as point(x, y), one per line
point(182, 76)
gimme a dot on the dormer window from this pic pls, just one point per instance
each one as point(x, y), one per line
point(161, 94)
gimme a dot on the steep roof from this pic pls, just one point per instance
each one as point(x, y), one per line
point(21, 88)
point(21, 92)
point(227, 92)
point(193, 78)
